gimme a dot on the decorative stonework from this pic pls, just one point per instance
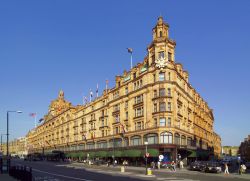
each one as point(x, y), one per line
point(161, 62)
point(58, 106)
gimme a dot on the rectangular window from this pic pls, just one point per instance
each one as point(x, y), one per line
point(169, 106)
point(161, 76)
point(161, 54)
point(169, 56)
point(138, 126)
point(117, 118)
point(169, 122)
point(135, 86)
point(169, 92)
point(126, 90)
point(134, 75)
point(154, 77)
point(162, 106)
point(155, 107)
point(162, 121)
point(126, 104)
point(127, 115)
point(138, 99)
point(139, 112)
point(116, 130)
point(162, 92)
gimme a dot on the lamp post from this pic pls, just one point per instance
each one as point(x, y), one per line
point(8, 129)
point(146, 156)
point(113, 150)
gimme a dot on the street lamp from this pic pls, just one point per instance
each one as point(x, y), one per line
point(146, 156)
point(8, 129)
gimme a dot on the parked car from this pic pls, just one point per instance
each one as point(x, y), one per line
point(213, 167)
point(197, 166)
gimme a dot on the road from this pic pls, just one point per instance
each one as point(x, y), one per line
point(57, 171)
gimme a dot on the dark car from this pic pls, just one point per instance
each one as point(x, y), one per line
point(213, 167)
point(197, 166)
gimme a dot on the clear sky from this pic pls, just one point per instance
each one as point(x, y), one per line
point(49, 45)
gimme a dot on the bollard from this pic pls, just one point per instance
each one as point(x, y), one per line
point(122, 169)
point(149, 171)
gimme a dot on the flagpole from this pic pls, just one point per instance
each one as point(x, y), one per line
point(35, 120)
point(131, 61)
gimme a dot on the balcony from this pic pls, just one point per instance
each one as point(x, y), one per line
point(103, 126)
point(138, 104)
point(161, 97)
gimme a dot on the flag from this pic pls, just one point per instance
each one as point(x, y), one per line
point(97, 90)
point(123, 128)
point(84, 137)
point(40, 120)
point(91, 95)
point(32, 115)
point(107, 81)
point(130, 50)
point(85, 99)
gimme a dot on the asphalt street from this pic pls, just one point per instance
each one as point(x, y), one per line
point(58, 171)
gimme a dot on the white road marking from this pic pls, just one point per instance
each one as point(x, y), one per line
point(59, 175)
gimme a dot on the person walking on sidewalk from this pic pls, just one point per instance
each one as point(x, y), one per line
point(181, 164)
point(159, 165)
point(173, 166)
point(226, 169)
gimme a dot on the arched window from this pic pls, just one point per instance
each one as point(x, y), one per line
point(117, 141)
point(160, 33)
point(189, 141)
point(176, 139)
point(183, 140)
point(102, 144)
point(151, 138)
point(136, 140)
point(166, 137)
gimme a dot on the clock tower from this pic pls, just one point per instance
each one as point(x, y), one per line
point(161, 48)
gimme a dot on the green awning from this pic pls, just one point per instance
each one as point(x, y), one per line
point(153, 152)
point(132, 153)
point(101, 154)
point(92, 154)
point(117, 153)
point(193, 154)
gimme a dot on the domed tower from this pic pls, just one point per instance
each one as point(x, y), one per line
point(161, 46)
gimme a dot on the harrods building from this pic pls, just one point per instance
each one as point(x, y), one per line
point(152, 102)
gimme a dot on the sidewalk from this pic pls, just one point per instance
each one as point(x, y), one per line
point(6, 177)
point(163, 170)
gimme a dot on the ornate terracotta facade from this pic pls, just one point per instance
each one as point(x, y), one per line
point(153, 101)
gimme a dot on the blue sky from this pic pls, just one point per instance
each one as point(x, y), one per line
point(49, 45)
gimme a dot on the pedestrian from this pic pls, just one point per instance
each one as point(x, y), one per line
point(173, 166)
point(159, 165)
point(226, 169)
point(153, 165)
point(181, 164)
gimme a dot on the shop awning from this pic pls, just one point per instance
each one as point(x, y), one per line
point(132, 153)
